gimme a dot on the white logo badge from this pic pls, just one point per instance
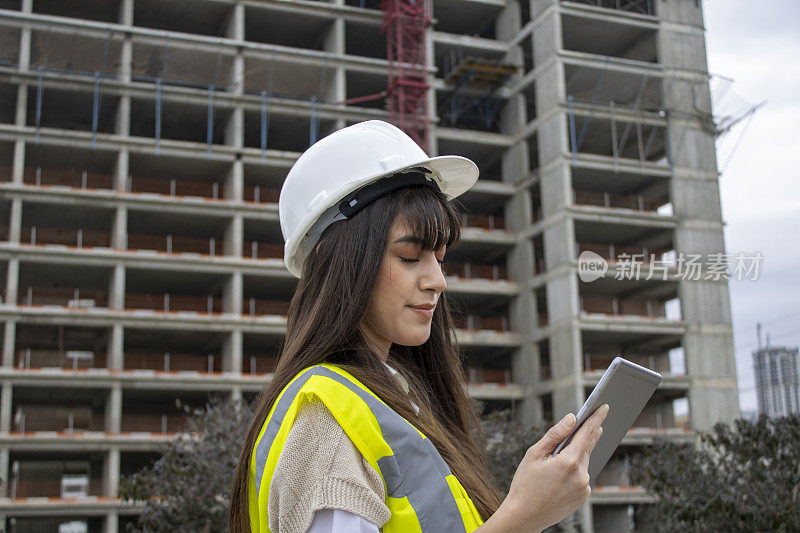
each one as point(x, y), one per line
point(591, 266)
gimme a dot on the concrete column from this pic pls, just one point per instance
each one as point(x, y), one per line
point(234, 236)
point(234, 128)
point(334, 42)
point(122, 170)
point(559, 247)
point(586, 517)
point(559, 237)
point(18, 161)
point(233, 188)
point(336, 91)
point(232, 352)
point(552, 134)
point(232, 293)
point(512, 116)
point(236, 393)
point(525, 369)
point(431, 103)
point(123, 118)
point(116, 287)
point(119, 229)
point(12, 281)
point(111, 482)
point(9, 342)
point(515, 165)
point(522, 310)
point(113, 412)
point(508, 23)
point(235, 29)
point(21, 114)
point(26, 6)
point(111, 522)
point(115, 348)
point(708, 353)
point(550, 92)
point(5, 477)
point(540, 6)
point(563, 310)
point(15, 221)
point(694, 193)
point(111, 472)
point(6, 396)
point(566, 366)
point(525, 362)
point(126, 12)
point(688, 13)
point(555, 186)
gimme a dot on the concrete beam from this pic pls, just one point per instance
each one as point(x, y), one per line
point(617, 16)
point(89, 506)
point(126, 380)
point(469, 41)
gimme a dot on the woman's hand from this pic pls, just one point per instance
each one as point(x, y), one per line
point(547, 488)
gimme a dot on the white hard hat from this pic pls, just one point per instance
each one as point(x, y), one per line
point(341, 165)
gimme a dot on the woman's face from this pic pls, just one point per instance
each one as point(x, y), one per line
point(408, 277)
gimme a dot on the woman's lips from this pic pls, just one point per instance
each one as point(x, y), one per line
point(425, 313)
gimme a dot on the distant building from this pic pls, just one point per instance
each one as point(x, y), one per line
point(777, 371)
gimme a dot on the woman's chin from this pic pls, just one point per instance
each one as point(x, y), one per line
point(415, 339)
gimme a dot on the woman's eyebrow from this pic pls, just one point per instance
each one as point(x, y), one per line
point(412, 239)
point(408, 238)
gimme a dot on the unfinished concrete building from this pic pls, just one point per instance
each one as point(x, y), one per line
point(143, 144)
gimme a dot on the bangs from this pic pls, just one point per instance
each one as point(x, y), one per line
point(431, 218)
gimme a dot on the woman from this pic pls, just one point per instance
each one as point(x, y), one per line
point(366, 421)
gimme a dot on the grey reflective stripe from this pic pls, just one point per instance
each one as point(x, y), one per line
point(416, 470)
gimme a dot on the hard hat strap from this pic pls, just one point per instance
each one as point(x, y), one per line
point(361, 198)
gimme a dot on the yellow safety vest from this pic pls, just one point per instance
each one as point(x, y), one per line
point(421, 492)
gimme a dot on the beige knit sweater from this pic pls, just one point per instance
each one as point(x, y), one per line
point(320, 468)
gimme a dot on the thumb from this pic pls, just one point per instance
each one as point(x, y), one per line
point(556, 434)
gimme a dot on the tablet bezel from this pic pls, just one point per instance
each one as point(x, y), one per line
point(629, 410)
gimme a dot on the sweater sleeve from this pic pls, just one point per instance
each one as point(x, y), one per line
point(320, 468)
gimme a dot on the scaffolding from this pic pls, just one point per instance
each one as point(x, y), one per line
point(634, 115)
point(473, 101)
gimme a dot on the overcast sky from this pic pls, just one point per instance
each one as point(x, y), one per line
point(758, 45)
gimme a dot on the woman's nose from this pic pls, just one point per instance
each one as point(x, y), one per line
point(433, 276)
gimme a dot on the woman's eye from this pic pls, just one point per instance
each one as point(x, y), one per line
point(407, 260)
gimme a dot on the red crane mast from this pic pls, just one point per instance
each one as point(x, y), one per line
point(405, 23)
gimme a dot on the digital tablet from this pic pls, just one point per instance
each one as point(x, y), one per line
point(625, 387)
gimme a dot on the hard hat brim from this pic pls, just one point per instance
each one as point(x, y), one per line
point(454, 174)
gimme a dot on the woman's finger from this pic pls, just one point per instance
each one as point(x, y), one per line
point(554, 436)
point(587, 436)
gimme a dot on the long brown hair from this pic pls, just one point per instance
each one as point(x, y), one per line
point(322, 326)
